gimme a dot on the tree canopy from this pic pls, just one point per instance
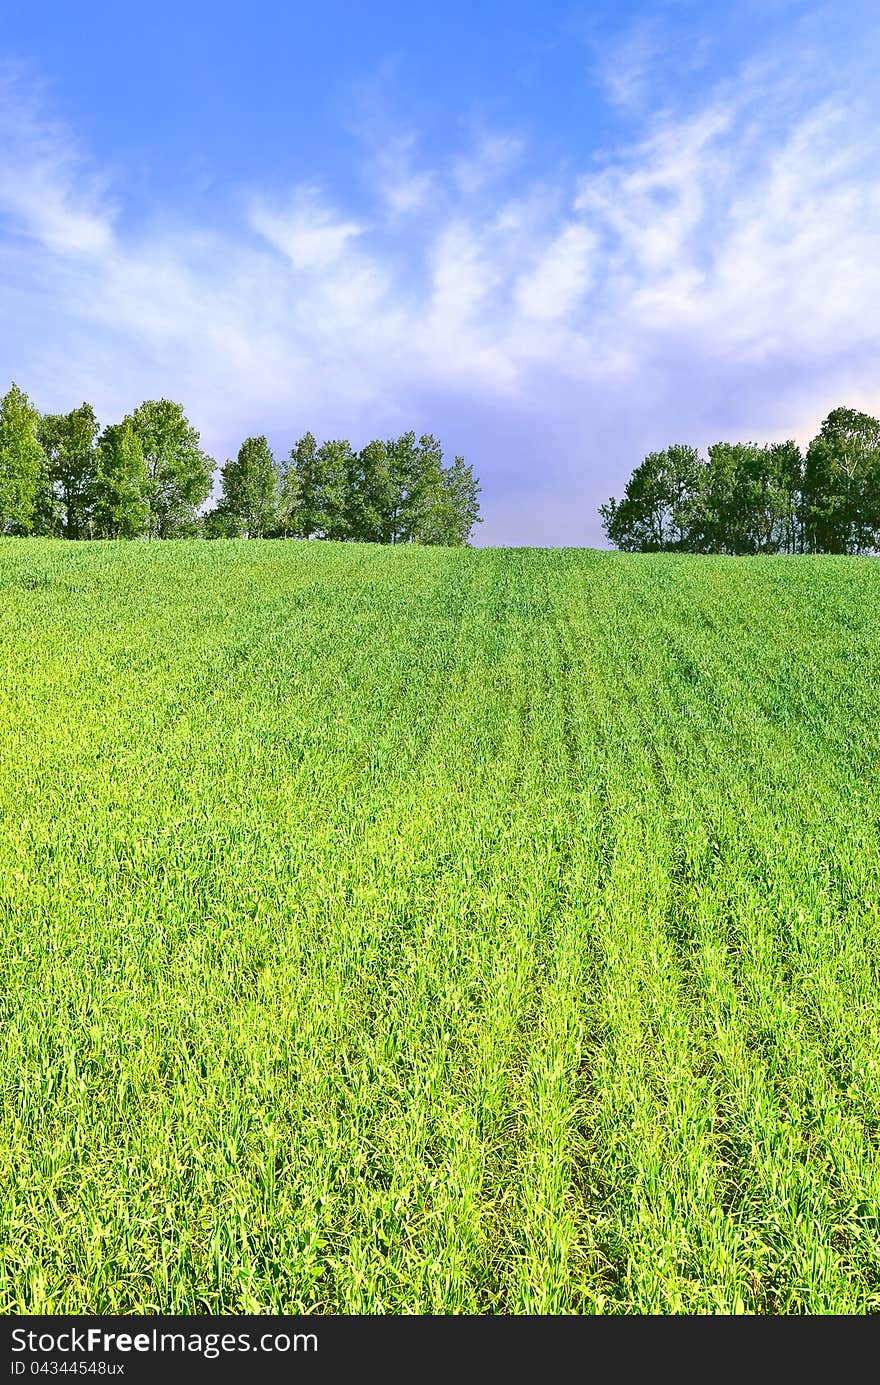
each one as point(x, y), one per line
point(121, 503)
point(148, 476)
point(746, 498)
point(841, 484)
point(179, 473)
point(23, 463)
point(397, 491)
point(250, 488)
point(69, 442)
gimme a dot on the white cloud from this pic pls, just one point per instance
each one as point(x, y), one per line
point(45, 189)
point(654, 196)
point(753, 248)
point(463, 275)
point(627, 66)
point(408, 192)
point(561, 277)
point(405, 187)
point(493, 157)
point(305, 230)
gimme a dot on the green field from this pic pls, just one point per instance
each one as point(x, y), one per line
point(421, 930)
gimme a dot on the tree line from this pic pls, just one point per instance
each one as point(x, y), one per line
point(746, 498)
point(148, 477)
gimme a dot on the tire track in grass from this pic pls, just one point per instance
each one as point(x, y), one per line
point(436, 1258)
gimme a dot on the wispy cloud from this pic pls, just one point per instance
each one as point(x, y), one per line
point(553, 287)
point(46, 190)
point(404, 186)
point(493, 156)
point(310, 234)
point(627, 65)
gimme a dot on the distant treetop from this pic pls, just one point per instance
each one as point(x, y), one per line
point(745, 498)
point(147, 477)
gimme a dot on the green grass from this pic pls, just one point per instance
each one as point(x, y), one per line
point(412, 930)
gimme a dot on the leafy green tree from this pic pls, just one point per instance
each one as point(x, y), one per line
point(442, 505)
point(179, 473)
point(121, 506)
point(22, 463)
point(413, 470)
point(315, 486)
point(657, 508)
point(460, 508)
point(287, 509)
point(404, 468)
point(786, 468)
point(420, 496)
point(720, 514)
point(747, 499)
point(370, 493)
point(390, 492)
point(221, 523)
point(426, 495)
point(301, 505)
point(744, 498)
point(250, 488)
point(335, 467)
point(69, 442)
point(841, 500)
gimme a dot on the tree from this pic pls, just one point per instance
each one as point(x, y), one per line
point(68, 440)
point(443, 508)
point(720, 514)
point(220, 523)
point(744, 498)
point(121, 506)
point(315, 489)
point(657, 509)
point(250, 488)
point(426, 494)
point(841, 501)
point(417, 488)
point(786, 468)
point(370, 493)
point(179, 473)
point(389, 492)
point(335, 466)
point(403, 469)
point(287, 516)
point(22, 462)
point(301, 504)
point(460, 508)
point(747, 499)
point(148, 476)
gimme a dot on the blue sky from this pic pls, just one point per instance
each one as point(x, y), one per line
point(558, 236)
